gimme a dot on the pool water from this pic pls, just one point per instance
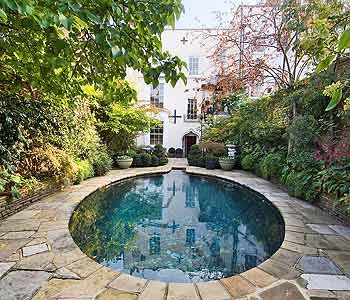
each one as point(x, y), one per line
point(177, 227)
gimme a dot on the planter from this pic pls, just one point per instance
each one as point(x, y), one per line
point(124, 163)
point(210, 164)
point(227, 164)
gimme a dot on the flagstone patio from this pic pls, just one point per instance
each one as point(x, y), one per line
point(39, 259)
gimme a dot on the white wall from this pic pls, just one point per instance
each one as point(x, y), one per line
point(198, 45)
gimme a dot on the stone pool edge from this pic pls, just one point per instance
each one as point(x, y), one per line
point(220, 289)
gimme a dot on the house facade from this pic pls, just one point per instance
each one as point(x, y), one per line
point(180, 106)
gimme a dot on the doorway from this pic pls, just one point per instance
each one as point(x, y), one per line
point(189, 141)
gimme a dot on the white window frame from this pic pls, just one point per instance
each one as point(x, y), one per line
point(192, 112)
point(157, 95)
point(193, 65)
point(156, 135)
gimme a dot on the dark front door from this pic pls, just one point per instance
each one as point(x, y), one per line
point(190, 140)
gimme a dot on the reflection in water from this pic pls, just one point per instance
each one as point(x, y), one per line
point(177, 228)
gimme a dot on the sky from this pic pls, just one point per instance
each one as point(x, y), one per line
point(207, 13)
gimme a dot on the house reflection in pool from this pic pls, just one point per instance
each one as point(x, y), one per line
point(196, 229)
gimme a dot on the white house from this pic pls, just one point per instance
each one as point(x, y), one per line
point(180, 105)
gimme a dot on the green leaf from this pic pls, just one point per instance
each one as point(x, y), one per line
point(66, 22)
point(3, 16)
point(336, 97)
point(81, 24)
point(325, 63)
point(10, 4)
point(344, 41)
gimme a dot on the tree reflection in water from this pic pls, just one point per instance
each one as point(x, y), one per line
point(177, 227)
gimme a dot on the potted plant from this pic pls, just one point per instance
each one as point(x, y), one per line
point(124, 161)
point(210, 162)
point(227, 163)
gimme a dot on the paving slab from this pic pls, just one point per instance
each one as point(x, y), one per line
point(319, 241)
point(34, 249)
point(183, 291)
point(298, 248)
point(295, 237)
point(321, 295)
point(342, 295)
point(238, 286)
point(258, 277)
point(4, 267)
point(285, 291)
point(128, 283)
point(321, 229)
point(318, 265)
point(341, 258)
point(279, 270)
point(213, 290)
point(21, 285)
point(287, 257)
point(9, 247)
point(326, 282)
point(111, 294)
point(17, 235)
point(338, 242)
point(36, 262)
point(84, 267)
point(89, 287)
point(342, 230)
point(154, 290)
point(64, 273)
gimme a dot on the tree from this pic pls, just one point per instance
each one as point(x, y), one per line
point(262, 46)
point(327, 40)
point(58, 46)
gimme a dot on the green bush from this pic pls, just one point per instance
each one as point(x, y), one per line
point(248, 162)
point(195, 157)
point(159, 151)
point(163, 161)
point(137, 162)
point(102, 163)
point(271, 165)
point(155, 161)
point(146, 159)
point(84, 171)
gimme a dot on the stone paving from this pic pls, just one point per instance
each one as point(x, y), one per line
point(40, 261)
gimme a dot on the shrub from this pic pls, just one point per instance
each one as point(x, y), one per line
point(163, 161)
point(271, 165)
point(195, 156)
point(217, 149)
point(248, 162)
point(146, 159)
point(102, 163)
point(48, 162)
point(84, 171)
point(137, 162)
point(303, 132)
point(155, 161)
point(159, 151)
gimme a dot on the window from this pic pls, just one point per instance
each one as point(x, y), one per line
point(194, 65)
point(190, 237)
point(157, 95)
point(192, 109)
point(156, 135)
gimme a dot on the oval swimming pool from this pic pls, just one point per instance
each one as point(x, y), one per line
point(177, 227)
